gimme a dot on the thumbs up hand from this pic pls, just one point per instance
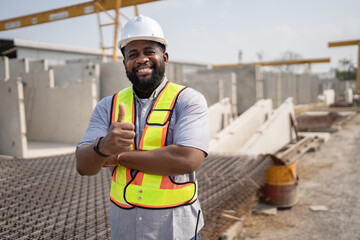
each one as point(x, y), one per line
point(120, 136)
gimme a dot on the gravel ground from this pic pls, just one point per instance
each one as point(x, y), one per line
point(329, 177)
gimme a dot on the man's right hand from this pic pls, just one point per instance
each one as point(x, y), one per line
point(120, 136)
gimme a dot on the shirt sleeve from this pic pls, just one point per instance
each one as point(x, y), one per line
point(192, 120)
point(99, 122)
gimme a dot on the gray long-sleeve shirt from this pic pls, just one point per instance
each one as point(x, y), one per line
point(189, 126)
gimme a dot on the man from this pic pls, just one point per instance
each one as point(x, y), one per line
point(146, 133)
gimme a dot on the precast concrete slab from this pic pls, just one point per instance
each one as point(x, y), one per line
point(38, 65)
point(4, 68)
point(112, 78)
point(57, 114)
point(230, 139)
point(17, 67)
point(220, 116)
point(274, 134)
point(248, 84)
point(215, 86)
point(13, 139)
point(68, 73)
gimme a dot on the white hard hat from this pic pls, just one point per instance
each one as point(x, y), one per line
point(141, 28)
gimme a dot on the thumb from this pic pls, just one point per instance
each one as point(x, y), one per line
point(121, 116)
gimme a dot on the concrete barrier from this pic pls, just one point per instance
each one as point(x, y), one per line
point(12, 119)
point(220, 116)
point(17, 67)
point(4, 69)
point(274, 134)
point(57, 114)
point(230, 139)
point(112, 78)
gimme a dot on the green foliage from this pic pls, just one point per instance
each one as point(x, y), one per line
point(346, 70)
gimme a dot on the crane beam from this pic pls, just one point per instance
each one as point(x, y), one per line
point(351, 43)
point(276, 63)
point(66, 12)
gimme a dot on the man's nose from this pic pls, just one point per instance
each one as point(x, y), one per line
point(142, 58)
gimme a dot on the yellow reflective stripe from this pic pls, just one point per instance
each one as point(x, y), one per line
point(154, 137)
point(125, 96)
point(150, 195)
point(118, 186)
point(158, 117)
point(167, 97)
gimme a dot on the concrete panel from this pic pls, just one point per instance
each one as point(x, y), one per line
point(65, 74)
point(17, 67)
point(288, 87)
point(38, 65)
point(57, 114)
point(272, 83)
point(214, 86)
point(304, 86)
point(12, 119)
point(230, 140)
point(112, 78)
point(4, 68)
point(176, 71)
point(247, 85)
point(220, 116)
point(274, 134)
point(329, 96)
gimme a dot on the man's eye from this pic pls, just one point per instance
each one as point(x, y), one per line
point(149, 53)
point(132, 55)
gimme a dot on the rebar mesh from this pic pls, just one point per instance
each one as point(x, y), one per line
point(45, 198)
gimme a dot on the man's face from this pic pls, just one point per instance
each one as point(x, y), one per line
point(145, 63)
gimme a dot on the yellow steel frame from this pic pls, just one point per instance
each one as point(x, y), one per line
point(78, 10)
point(351, 43)
point(276, 63)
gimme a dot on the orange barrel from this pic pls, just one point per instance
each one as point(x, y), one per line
point(281, 187)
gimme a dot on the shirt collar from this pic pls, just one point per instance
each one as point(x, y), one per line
point(156, 92)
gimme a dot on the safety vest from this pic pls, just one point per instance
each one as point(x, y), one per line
point(148, 190)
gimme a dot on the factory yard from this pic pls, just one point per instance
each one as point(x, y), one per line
point(328, 204)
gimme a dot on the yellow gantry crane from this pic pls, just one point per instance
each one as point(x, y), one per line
point(96, 6)
point(276, 63)
point(351, 43)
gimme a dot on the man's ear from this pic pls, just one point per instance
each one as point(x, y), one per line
point(166, 58)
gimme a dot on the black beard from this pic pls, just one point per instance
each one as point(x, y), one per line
point(147, 85)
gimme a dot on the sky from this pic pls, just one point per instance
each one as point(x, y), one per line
point(214, 31)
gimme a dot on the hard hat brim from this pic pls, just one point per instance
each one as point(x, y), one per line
point(126, 41)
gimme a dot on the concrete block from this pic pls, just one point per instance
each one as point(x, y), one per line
point(112, 78)
point(4, 68)
point(68, 73)
point(230, 139)
point(176, 71)
point(349, 96)
point(220, 116)
point(57, 114)
point(17, 67)
point(214, 86)
point(247, 83)
point(38, 65)
point(329, 96)
point(13, 140)
point(274, 134)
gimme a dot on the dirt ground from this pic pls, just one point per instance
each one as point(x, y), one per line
point(329, 177)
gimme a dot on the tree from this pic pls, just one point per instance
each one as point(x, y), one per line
point(290, 55)
point(345, 70)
